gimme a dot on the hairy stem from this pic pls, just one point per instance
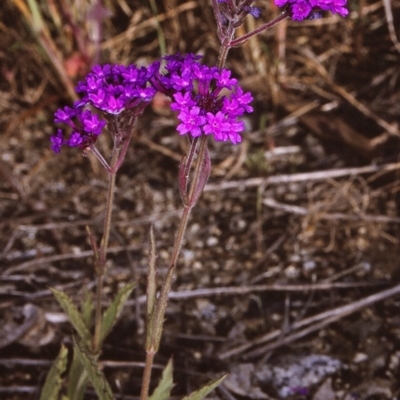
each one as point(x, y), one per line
point(101, 267)
point(158, 319)
point(225, 46)
point(239, 41)
point(147, 374)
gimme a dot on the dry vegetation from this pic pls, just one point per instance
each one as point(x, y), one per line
point(293, 249)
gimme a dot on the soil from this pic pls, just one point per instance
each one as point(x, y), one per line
point(289, 273)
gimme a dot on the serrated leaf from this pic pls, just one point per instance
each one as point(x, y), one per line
point(53, 382)
point(87, 309)
point(205, 390)
point(112, 313)
point(74, 315)
point(77, 379)
point(96, 376)
point(163, 390)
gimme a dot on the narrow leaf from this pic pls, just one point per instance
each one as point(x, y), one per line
point(53, 382)
point(94, 248)
point(184, 170)
point(163, 390)
point(77, 379)
point(151, 276)
point(151, 294)
point(183, 178)
point(205, 390)
point(74, 315)
point(112, 313)
point(96, 376)
point(87, 309)
point(205, 170)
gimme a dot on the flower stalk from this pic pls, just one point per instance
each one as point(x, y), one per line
point(102, 250)
point(157, 320)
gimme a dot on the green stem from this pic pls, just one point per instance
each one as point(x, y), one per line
point(162, 302)
point(163, 299)
point(158, 318)
point(101, 267)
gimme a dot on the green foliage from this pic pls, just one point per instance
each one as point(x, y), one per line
point(114, 310)
point(163, 390)
point(151, 294)
point(87, 309)
point(53, 382)
point(205, 390)
point(77, 379)
point(74, 315)
point(96, 376)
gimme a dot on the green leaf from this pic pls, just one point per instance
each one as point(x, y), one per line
point(53, 382)
point(163, 390)
point(87, 309)
point(205, 390)
point(96, 376)
point(114, 310)
point(77, 379)
point(151, 277)
point(151, 296)
point(74, 315)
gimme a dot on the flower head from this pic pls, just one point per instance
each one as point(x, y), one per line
point(114, 88)
point(85, 128)
point(118, 93)
point(196, 91)
point(303, 9)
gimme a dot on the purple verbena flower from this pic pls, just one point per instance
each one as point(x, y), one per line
point(192, 121)
point(204, 110)
point(303, 9)
point(118, 93)
point(115, 88)
point(85, 128)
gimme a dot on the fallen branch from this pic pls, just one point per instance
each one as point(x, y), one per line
point(333, 216)
point(303, 177)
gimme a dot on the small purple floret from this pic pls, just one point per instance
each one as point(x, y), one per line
point(254, 11)
point(57, 141)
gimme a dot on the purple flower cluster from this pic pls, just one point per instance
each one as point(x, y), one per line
point(302, 9)
point(85, 128)
point(117, 92)
point(120, 94)
point(114, 88)
point(197, 93)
